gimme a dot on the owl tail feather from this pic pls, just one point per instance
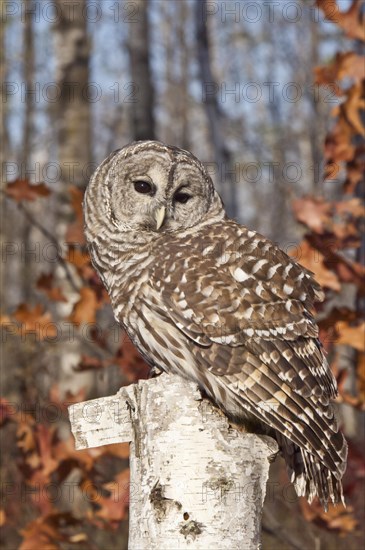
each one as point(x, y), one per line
point(317, 480)
point(310, 477)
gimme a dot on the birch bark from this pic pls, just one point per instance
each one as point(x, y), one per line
point(196, 482)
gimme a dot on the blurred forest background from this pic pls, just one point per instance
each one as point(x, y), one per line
point(270, 95)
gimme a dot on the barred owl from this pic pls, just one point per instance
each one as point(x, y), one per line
point(210, 300)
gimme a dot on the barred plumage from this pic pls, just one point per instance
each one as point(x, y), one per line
point(210, 300)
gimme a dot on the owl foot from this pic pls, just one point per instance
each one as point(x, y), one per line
point(154, 372)
point(274, 456)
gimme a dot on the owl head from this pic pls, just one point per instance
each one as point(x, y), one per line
point(149, 188)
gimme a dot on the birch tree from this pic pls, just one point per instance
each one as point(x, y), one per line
point(73, 108)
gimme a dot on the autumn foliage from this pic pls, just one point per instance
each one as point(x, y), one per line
point(334, 230)
point(46, 470)
point(63, 509)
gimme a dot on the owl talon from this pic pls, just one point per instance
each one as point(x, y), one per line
point(154, 372)
point(273, 457)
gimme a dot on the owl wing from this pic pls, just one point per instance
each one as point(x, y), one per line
point(247, 307)
point(242, 288)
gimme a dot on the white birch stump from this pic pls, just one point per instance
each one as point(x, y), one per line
point(196, 482)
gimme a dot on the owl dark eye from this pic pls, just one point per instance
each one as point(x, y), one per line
point(181, 197)
point(143, 187)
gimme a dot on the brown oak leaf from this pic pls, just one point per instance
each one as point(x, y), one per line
point(35, 321)
point(23, 190)
point(351, 21)
point(353, 336)
point(313, 212)
point(45, 284)
point(85, 309)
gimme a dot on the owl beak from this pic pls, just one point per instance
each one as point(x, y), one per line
point(159, 216)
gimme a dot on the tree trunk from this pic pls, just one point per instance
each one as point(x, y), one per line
point(4, 137)
point(143, 124)
point(196, 482)
point(4, 157)
point(4, 141)
point(73, 109)
point(183, 85)
point(72, 118)
point(27, 232)
point(226, 183)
